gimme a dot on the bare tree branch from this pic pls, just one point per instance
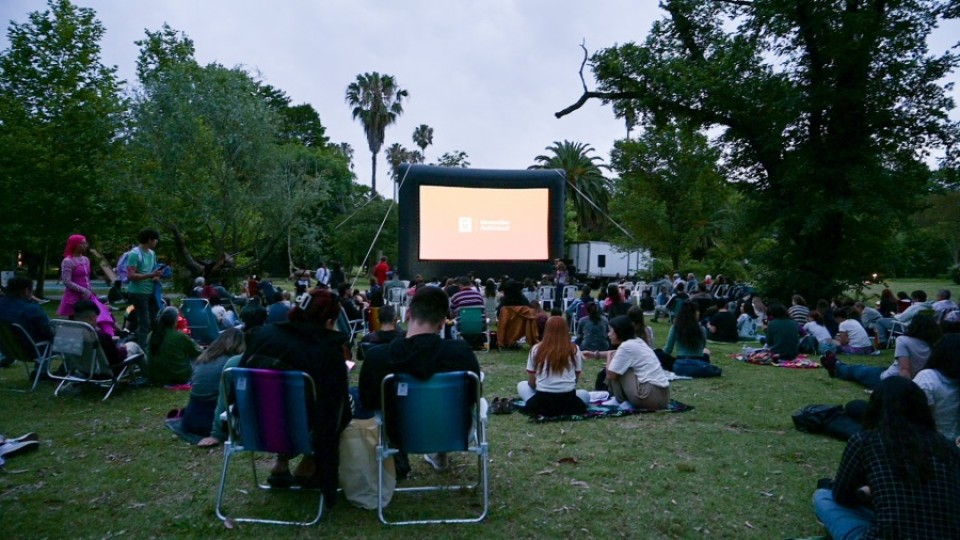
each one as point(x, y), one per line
point(595, 95)
point(583, 45)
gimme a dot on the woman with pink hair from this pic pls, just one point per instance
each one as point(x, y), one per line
point(75, 275)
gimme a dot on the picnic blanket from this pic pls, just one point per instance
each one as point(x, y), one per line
point(763, 357)
point(598, 411)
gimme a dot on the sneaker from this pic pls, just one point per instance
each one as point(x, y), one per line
point(437, 461)
point(612, 402)
point(829, 362)
point(626, 406)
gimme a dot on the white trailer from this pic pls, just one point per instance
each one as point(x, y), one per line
point(604, 260)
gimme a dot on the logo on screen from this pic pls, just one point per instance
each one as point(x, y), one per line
point(466, 225)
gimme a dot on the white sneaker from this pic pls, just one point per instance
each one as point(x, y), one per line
point(612, 402)
point(627, 406)
point(437, 461)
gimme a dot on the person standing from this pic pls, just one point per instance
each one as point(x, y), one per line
point(323, 275)
point(142, 271)
point(380, 271)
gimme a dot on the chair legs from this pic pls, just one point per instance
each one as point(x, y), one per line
point(228, 450)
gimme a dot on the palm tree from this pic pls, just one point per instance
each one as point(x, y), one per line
point(396, 155)
point(585, 184)
point(376, 101)
point(423, 137)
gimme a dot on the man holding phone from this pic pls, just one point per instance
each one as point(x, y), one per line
point(143, 272)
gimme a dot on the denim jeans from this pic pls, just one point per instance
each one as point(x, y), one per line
point(868, 376)
point(842, 522)
point(146, 309)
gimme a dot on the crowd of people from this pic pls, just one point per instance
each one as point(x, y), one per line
point(907, 450)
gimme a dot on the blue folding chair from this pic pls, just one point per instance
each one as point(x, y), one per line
point(267, 411)
point(441, 414)
point(203, 325)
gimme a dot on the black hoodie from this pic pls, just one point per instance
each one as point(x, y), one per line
point(421, 356)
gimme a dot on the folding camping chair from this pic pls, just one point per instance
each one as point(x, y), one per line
point(267, 411)
point(569, 295)
point(451, 401)
point(470, 321)
point(545, 295)
point(17, 344)
point(354, 326)
point(203, 325)
point(82, 360)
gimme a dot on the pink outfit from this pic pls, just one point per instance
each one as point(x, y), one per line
point(75, 275)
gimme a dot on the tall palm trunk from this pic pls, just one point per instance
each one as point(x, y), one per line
point(373, 176)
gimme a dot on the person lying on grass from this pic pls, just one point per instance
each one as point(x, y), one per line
point(910, 356)
point(898, 478)
point(553, 369)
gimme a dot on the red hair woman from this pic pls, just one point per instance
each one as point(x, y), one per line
point(553, 369)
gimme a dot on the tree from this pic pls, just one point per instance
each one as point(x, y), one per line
point(423, 137)
point(377, 101)
point(60, 112)
point(299, 124)
point(585, 184)
point(669, 193)
point(457, 158)
point(825, 111)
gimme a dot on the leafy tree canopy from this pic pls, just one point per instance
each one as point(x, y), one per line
point(826, 112)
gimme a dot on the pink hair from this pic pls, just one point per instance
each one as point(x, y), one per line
point(72, 243)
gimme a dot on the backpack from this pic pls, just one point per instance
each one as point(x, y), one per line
point(121, 269)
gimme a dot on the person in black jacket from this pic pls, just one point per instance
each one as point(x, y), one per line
point(309, 342)
point(422, 353)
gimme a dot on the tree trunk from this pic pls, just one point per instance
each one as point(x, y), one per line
point(373, 175)
point(41, 274)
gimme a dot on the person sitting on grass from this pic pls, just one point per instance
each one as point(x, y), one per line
point(170, 353)
point(940, 381)
point(633, 373)
point(898, 478)
point(910, 356)
point(643, 331)
point(723, 324)
point(687, 335)
point(592, 330)
point(553, 369)
point(747, 323)
point(816, 328)
point(851, 338)
point(614, 305)
point(782, 337)
point(198, 415)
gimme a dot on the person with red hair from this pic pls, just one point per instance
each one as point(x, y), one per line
point(553, 369)
point(75, 275)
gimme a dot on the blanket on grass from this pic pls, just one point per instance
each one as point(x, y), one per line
point(598, 411)
point(763, 357)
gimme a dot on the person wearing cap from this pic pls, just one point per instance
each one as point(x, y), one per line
point(170, 353)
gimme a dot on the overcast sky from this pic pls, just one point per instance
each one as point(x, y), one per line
point(486, 75)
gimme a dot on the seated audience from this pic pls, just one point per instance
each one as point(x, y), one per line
point(633, 373)
point(940, 381)
point(87, 312)
point(799, 311)
point(17, 307)
point(592, 330)
point(640, 327)
point(614, 305)
point(198, 415)
point(851, 337)
point(944, 304)
point(819, 332)
point(553, 369)
point(885, 326)
point(783, 337)
point(308, 341)
point(388, 331)
point(723, 324)
point(170, 353)
point(421, 353)
point(490, 300)
point(687, 335)
point(747, 323)
point(910, 356)
point(278, 310)
point(898, 478)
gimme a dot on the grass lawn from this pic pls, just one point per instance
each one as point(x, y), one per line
point(734, 467)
